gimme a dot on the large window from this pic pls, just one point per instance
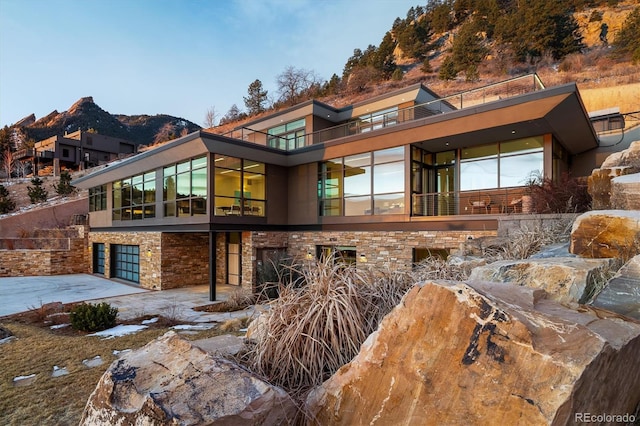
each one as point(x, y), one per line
point(185, 188)
point(363, 184)
point(287, 136)
point(502, 165)
point(98, 198)
point(125, 262)
point(240, 187)
point(134, 198)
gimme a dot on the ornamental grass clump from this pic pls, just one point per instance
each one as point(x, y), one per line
point(314, 329)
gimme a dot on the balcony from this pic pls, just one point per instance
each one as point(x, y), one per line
point(470, 98)
point(484, 202)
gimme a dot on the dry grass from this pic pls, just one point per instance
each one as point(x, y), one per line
point(61, 400)
point(313, 330)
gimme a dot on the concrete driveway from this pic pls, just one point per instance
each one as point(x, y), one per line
point(19, 294)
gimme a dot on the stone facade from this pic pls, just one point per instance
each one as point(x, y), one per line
point(166, 260)
point(53, 252)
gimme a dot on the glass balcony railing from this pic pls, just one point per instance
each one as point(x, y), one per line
point(490, 201)
point(470, 98)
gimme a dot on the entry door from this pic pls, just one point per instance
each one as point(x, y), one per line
point(234, 258)
point(446, 190)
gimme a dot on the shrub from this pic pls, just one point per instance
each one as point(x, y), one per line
point(90, 317)
point(6, 203)
point(565, 195)
point(36, 192)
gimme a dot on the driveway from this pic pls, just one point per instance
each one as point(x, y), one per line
point(19, 294)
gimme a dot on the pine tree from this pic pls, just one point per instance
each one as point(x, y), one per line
point(256, 99)
point(6, 203)
point(627, 41)
point(448, 69)
point(64, 187)
point(36, 192)
point(468, 51)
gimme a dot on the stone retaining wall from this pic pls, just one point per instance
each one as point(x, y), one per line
point(25, 263)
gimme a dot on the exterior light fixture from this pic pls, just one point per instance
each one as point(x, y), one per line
point(362, 258)
point(309, 255)
point(148, 252)
point(513, 132)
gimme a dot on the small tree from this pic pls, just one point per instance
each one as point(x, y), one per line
point(210, 117)
point(36, 192)
point(6, 203)
point(256, 99)
point(64, 187)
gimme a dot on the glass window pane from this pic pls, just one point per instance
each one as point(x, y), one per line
point(388, 178)
point(169, 188)
point(357, 160)
point(151, 176)
point(150, 191)
point(522, 145)
point(183, 208)
point(515, 170)
point(253, 166)
point(332, 207)
point(183, 185)
point(170, 209)
point(183, 167)
point(170, 170)
point(136, 192)
point(198, 162)
point(254, 185)
point(479, 152)
point(227, 182)
point(388, 155)
point(388, 204)
point(199, 183)
point(355, 206)
point(448, 157)
point(228, 162)
point(357, 181)
point(482, 174)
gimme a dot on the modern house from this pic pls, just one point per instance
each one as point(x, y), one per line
point(384, 182)
point(75, 150)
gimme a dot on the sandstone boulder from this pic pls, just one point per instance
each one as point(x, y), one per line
point(599, 186)
point(170, 382)
point(4, 333)
point(629, 157)
point(484, 353)
point(622, 292)
point(606, 233)
point(565, 279)
point(625, 192)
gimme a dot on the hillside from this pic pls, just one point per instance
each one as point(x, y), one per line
point(85, 114)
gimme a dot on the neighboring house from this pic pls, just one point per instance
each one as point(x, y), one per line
point(77, 150)
point(383, 183)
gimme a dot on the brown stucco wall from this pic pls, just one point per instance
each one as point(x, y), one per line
point(56, 216)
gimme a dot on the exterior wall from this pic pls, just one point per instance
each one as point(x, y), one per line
point(185, 260)
point(383, 249)
point(26, 263)
point(166, 260)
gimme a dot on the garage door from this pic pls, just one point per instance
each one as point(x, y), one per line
point(125, 262)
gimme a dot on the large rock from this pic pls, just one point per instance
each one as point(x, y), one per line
point(169, 382)
point(606, 233)
point(625, 192)
point(487, 354)
point(565, 279)
point(622, 293)
point(617, 164)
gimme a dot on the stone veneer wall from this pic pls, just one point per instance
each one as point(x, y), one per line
point(26, 263)
point(149, 244)
point(185, 260)
point(251, 242)
point(383, 249)
point(167, 260)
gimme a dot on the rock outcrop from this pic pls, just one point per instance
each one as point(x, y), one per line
point(622, 293)
point(565, 279)
point(484, 353)
point(170, 382)
point(606, 233)
point(618, 164)
point(625, 192)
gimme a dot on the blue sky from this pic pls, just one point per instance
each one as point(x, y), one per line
point(177, 57)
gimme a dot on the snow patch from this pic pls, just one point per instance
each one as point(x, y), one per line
point(119, 330)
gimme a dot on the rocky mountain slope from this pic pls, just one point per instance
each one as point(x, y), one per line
point(85, 114)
